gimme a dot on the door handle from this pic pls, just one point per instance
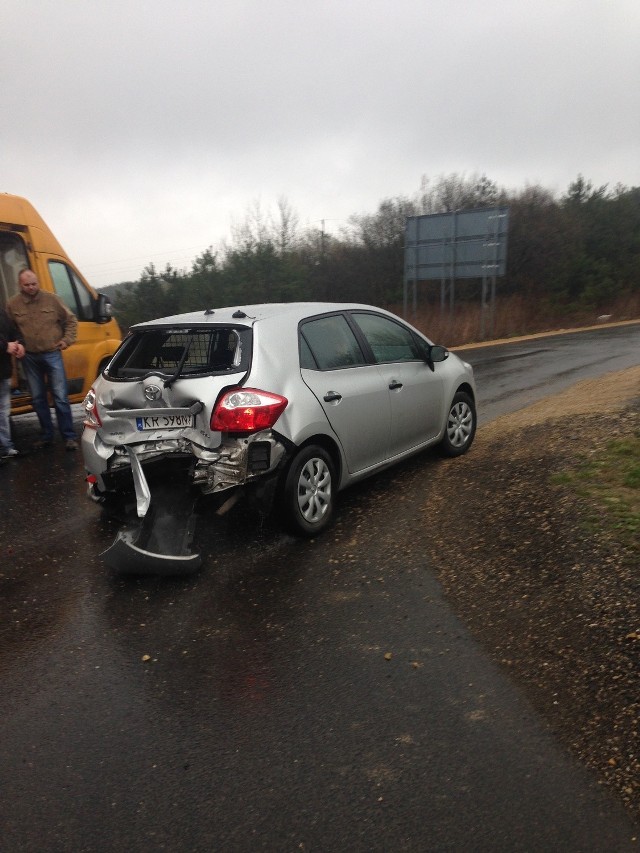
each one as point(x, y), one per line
point(332, 397)
point(394, 384)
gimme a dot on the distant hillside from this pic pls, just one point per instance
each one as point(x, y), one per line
point(113, 290)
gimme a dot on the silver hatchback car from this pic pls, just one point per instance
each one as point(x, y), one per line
point(289, 402)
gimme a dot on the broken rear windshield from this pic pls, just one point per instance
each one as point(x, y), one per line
point(192, 352)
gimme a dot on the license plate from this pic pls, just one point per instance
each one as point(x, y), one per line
point(153, 422)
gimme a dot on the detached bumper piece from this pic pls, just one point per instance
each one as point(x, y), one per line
point(160, 543)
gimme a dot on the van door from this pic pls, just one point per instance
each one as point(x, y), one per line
point(79, 358)
point(13, 258)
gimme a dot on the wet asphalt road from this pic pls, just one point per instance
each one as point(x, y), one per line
point(296, 695)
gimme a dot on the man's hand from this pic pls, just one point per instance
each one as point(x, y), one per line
point(62, 345)
point(15, 348)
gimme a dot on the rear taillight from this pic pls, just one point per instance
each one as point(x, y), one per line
point(91, 416)
point(247, 410)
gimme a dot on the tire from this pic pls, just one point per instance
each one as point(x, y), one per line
point(308, 492)
point(461, 426)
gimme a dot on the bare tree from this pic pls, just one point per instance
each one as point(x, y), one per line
point(457, 192)
point(254, 229)
point(286, 226)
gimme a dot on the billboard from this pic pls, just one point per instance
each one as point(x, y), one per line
point(462, 244)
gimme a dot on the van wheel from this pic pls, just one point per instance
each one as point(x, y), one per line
point(308, 492)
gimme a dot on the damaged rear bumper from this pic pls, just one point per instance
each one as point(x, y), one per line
point(237, 462)
point(166, 483)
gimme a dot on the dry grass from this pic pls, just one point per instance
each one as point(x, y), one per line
point(513, 316)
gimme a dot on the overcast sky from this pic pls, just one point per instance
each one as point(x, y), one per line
point(142, 129)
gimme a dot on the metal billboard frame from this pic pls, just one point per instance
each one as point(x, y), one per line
point(449, 246)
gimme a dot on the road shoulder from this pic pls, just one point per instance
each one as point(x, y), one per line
point(557, 607)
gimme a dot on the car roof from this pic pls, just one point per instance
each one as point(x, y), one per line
point(250, 314)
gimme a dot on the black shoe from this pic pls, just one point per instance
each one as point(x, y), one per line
point(71, 444)
point(42, 443)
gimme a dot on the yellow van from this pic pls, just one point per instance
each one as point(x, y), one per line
point(26, 241)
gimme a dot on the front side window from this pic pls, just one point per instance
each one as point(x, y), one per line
point(71, 290)
point(389, 341)
point(331, 343)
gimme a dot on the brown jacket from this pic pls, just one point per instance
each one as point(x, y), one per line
point(43, 321)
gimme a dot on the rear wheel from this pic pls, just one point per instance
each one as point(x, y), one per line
point(308, 493)
point(461, 426)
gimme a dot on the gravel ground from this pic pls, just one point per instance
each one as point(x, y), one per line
point(558, 606)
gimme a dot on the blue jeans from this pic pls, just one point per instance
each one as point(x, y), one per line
point(45, 371)
point(5, 411)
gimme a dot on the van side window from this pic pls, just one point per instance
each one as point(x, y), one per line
point(71, 290)
point(13, 258)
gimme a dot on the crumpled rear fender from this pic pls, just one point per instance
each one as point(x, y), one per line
point(236, 462)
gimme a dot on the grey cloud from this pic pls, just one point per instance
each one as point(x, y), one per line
point(147, 126)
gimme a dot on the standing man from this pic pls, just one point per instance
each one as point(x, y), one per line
point(9, 345)
point(47, 327)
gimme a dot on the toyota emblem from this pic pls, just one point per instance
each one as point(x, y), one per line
point(152, 392)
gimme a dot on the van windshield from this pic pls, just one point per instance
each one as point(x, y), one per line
point(13, 258)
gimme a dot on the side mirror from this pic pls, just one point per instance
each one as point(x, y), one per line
point(438, 354)
point(103, 309)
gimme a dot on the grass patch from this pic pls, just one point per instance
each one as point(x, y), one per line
point(610, 481)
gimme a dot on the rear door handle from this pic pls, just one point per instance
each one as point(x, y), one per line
point(394, 384)
point(332, 397)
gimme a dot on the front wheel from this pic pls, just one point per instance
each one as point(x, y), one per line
point(308, 492)
point(461, 426)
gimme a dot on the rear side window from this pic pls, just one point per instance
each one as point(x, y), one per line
point(389, 341)
point(191, 351)
point(331, 343)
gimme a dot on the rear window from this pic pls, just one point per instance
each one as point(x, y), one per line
point(182, 352)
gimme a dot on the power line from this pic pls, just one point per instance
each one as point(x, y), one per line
point(143, 258)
